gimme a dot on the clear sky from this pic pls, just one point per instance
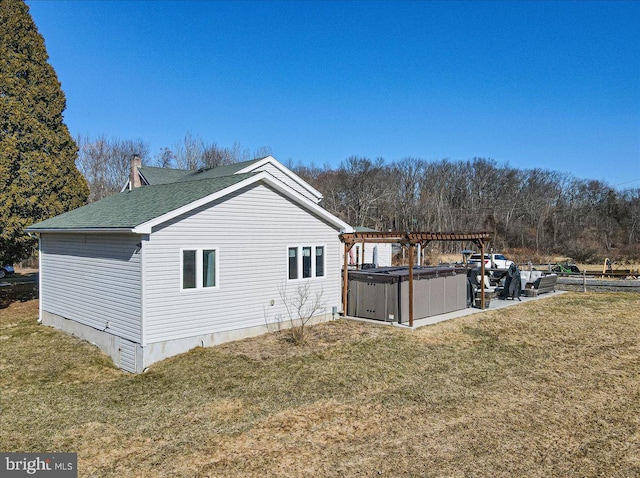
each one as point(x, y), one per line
point(553, 85)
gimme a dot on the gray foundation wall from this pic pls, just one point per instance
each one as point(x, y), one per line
point(125, 354)
point(132, 357)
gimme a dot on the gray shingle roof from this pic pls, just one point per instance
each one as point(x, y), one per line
point(129, 209)
point(165, 176)
point(156, 176)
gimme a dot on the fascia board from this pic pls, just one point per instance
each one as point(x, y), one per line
point(281, 167)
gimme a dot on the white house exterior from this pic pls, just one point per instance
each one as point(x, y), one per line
point(157, 270)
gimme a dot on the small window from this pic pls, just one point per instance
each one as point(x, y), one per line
point(188, 269)
point(199, 269)
point(209, 268)
point(320, 261)
point(293, 263)
point(306, 262)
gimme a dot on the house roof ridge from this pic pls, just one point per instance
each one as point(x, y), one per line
point(206, 168)
point(187, 181)
point(163, 168)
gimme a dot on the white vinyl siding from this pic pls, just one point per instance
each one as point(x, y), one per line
point(252, 230)
point(128, 358)
point(276, 173)
point(94, 279)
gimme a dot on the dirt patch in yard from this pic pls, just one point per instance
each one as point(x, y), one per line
point(17, 293)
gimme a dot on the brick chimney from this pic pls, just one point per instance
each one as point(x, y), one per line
point(134, 178)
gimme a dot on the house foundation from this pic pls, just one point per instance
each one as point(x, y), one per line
point(133, 357)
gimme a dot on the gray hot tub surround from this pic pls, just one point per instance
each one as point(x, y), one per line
point(383, 293)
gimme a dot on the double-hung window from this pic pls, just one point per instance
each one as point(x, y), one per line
point(305, 262)
point(199, 268)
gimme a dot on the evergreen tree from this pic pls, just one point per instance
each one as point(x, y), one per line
point(38, 175)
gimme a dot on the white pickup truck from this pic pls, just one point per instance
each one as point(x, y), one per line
point(491, 261)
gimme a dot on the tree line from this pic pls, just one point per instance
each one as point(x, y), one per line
point(537, 210)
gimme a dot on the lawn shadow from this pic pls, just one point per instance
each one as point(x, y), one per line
point(18, 288)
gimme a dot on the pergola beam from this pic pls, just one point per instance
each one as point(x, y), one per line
point(410, 237)
point(409, 240)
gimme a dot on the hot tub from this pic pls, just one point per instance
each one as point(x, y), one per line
point(383, 293)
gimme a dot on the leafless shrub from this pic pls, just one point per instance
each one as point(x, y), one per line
point(301, 307)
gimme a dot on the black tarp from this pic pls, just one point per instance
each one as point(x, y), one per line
point(512, 284)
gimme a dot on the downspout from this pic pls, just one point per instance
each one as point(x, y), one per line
point(142, 291)
point(39, 278)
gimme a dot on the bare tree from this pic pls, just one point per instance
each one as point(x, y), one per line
point(405, 179)
point(166, 158)
point(214, 156)
point(105, 163)
point(263, 151)
point(188, 152)
point(193, 153)
point(365, 188)
point(301, 307)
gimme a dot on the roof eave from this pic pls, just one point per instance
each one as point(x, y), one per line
point(83, 230)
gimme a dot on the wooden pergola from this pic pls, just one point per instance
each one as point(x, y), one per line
point(408, 240)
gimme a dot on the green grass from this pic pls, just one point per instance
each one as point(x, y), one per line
point(547, 388)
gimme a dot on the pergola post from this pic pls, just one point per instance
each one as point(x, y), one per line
point(410, 284)
point(345, 278)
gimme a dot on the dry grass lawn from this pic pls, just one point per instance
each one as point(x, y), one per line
point(547, 388)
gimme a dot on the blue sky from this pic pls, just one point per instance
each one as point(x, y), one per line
point(552, 85)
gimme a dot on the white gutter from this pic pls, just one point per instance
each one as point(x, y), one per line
point(83, 230)
point(39, 279)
